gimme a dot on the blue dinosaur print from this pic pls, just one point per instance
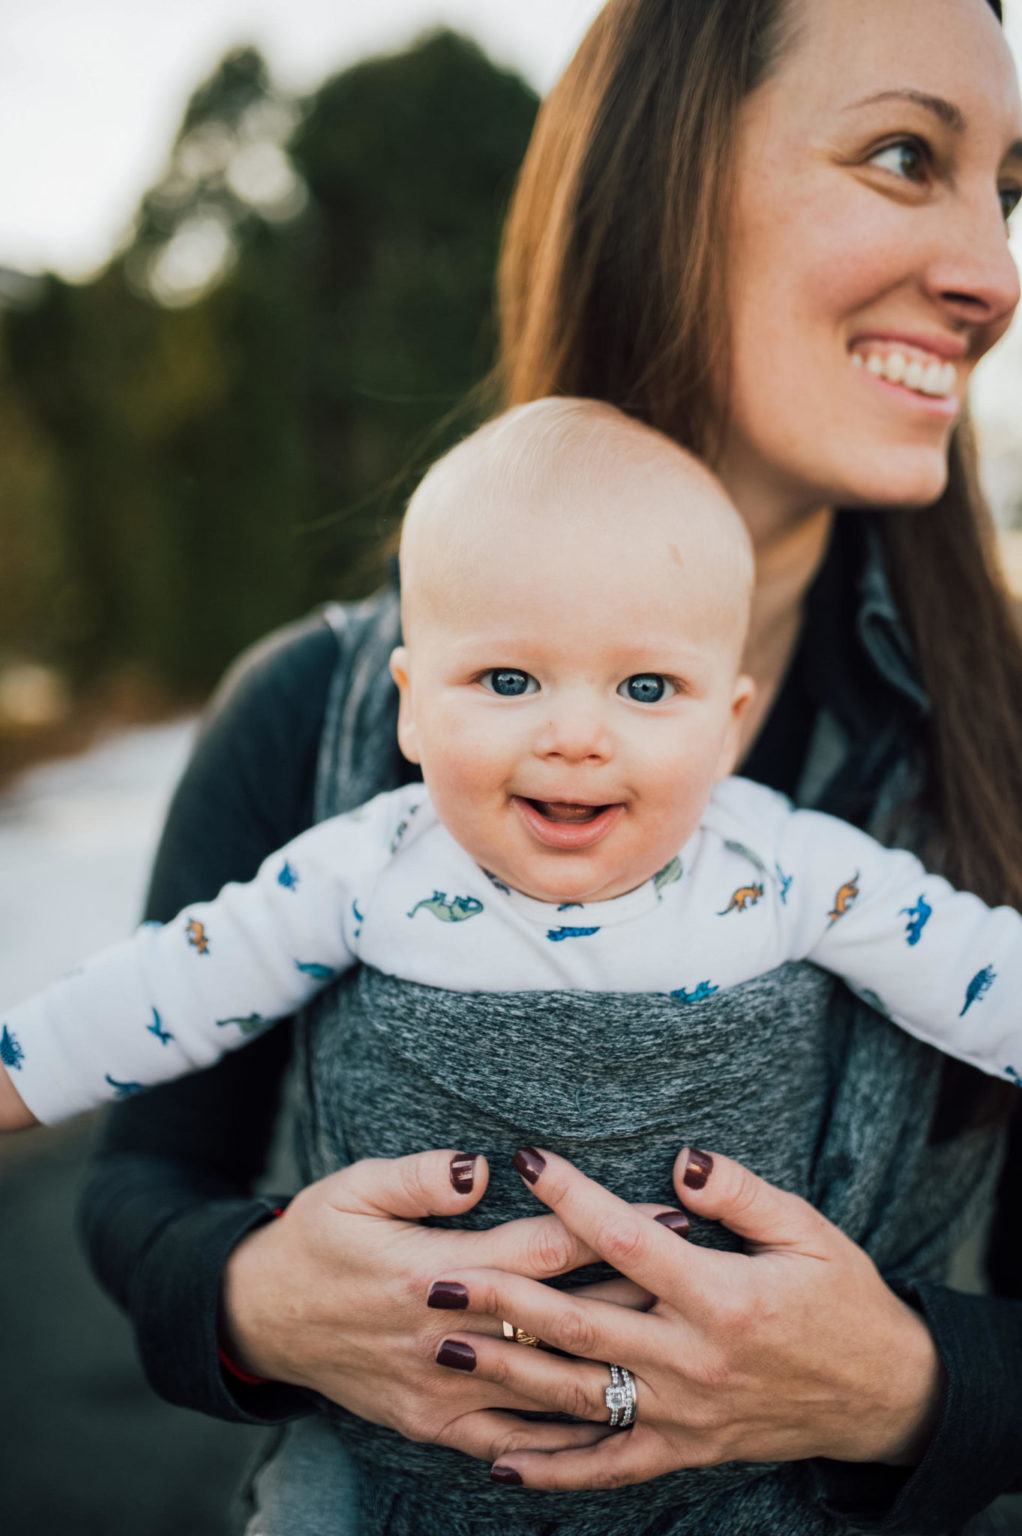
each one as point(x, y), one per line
point(251, 1024)
point(556, 935)
point(315, 970)
point(402, 828)
point(123, 1090)
point(1016, 1077)
point(449, 909)
point(697, 995)
point(785, 884)
point(11, 1053)
point(156, 1028)
point(566, 906)
point(918, 917)
point(978, 987)
point(288, 877)
point(667, 876)
point(497, 884)
point(358, 918)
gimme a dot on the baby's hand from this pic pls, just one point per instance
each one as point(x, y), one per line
point(15, 1114)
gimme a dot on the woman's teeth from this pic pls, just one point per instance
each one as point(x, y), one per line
point(937, 379)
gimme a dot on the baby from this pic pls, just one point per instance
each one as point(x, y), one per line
point(575, 595)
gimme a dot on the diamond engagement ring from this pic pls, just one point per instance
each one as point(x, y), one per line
point(620, 1397)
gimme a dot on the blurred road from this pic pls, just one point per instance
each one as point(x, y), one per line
point(86, 1449)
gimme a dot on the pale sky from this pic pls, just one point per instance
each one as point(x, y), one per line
point(92, 91)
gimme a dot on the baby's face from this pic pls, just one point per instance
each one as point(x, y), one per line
point(569, 682)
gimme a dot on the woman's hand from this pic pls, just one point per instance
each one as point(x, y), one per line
point(331, 1296)
point(795, 1348)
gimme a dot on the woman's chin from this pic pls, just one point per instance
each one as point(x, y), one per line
point(910, 480)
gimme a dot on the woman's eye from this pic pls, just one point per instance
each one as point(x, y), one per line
point(646, 688)
point(508, 682)
point(1010, 199)
point(908, 158)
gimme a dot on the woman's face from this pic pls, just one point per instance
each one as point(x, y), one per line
point(874, 171)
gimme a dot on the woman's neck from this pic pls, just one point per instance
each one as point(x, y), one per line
point(787, 560)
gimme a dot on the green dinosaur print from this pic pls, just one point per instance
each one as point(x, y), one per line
point(449, 909)
point(670, 873)
point(746, 853)
point(251, 1024)
point(875, 1002)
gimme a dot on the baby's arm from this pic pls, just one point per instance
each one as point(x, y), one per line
point(938, 962)
point(174, 998)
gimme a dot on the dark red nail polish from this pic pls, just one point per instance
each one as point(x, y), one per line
point(460, 1357)
point(506, 1475)
point(530, 1165)
point(675, 1221)
point(447, 1296)
point(700, 1166)
point(463, 1172)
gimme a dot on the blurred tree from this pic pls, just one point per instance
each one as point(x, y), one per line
point(221, 427)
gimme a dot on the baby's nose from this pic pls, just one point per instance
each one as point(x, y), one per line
point(575, 735)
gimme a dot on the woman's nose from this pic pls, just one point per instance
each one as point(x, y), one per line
point(973, 274)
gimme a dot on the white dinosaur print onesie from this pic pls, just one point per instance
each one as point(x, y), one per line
point(759, 883)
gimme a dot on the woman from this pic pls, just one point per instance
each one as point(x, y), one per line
point(856, 165)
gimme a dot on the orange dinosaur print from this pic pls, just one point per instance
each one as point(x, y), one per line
point(745, 896)
point(844, 898)
point(197, 936)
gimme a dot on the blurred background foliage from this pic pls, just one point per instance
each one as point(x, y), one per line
point(220, 430)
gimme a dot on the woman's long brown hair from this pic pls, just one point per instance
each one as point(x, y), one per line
point(612, 286)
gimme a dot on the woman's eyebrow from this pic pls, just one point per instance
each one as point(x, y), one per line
point(945, 111)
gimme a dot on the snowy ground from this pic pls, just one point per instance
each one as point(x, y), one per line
point(76, 840)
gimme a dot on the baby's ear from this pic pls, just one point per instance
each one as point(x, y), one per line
point(407, 735)
point(745, 689)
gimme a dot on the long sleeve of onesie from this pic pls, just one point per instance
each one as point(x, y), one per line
point(938, 962)
point(176, 997)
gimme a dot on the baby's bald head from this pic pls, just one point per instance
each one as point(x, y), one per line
point(579, 482)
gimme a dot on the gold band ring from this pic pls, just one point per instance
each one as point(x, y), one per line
point(520, 1335)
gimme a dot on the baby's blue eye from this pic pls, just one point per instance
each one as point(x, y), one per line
point(646, 688)
point(509, 682)
point(1010, 199)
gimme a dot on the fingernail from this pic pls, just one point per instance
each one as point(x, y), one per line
point(463, 1172)
point(530, 1165)
point(675, 1221)
point(506, 1475)
point(460, 1357)
point(447, 1296)
point(698, 1168)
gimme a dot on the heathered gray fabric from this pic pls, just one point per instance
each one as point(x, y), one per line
point(787, 1073)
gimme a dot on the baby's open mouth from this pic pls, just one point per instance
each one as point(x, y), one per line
point(564, 812)
point(567, 825)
